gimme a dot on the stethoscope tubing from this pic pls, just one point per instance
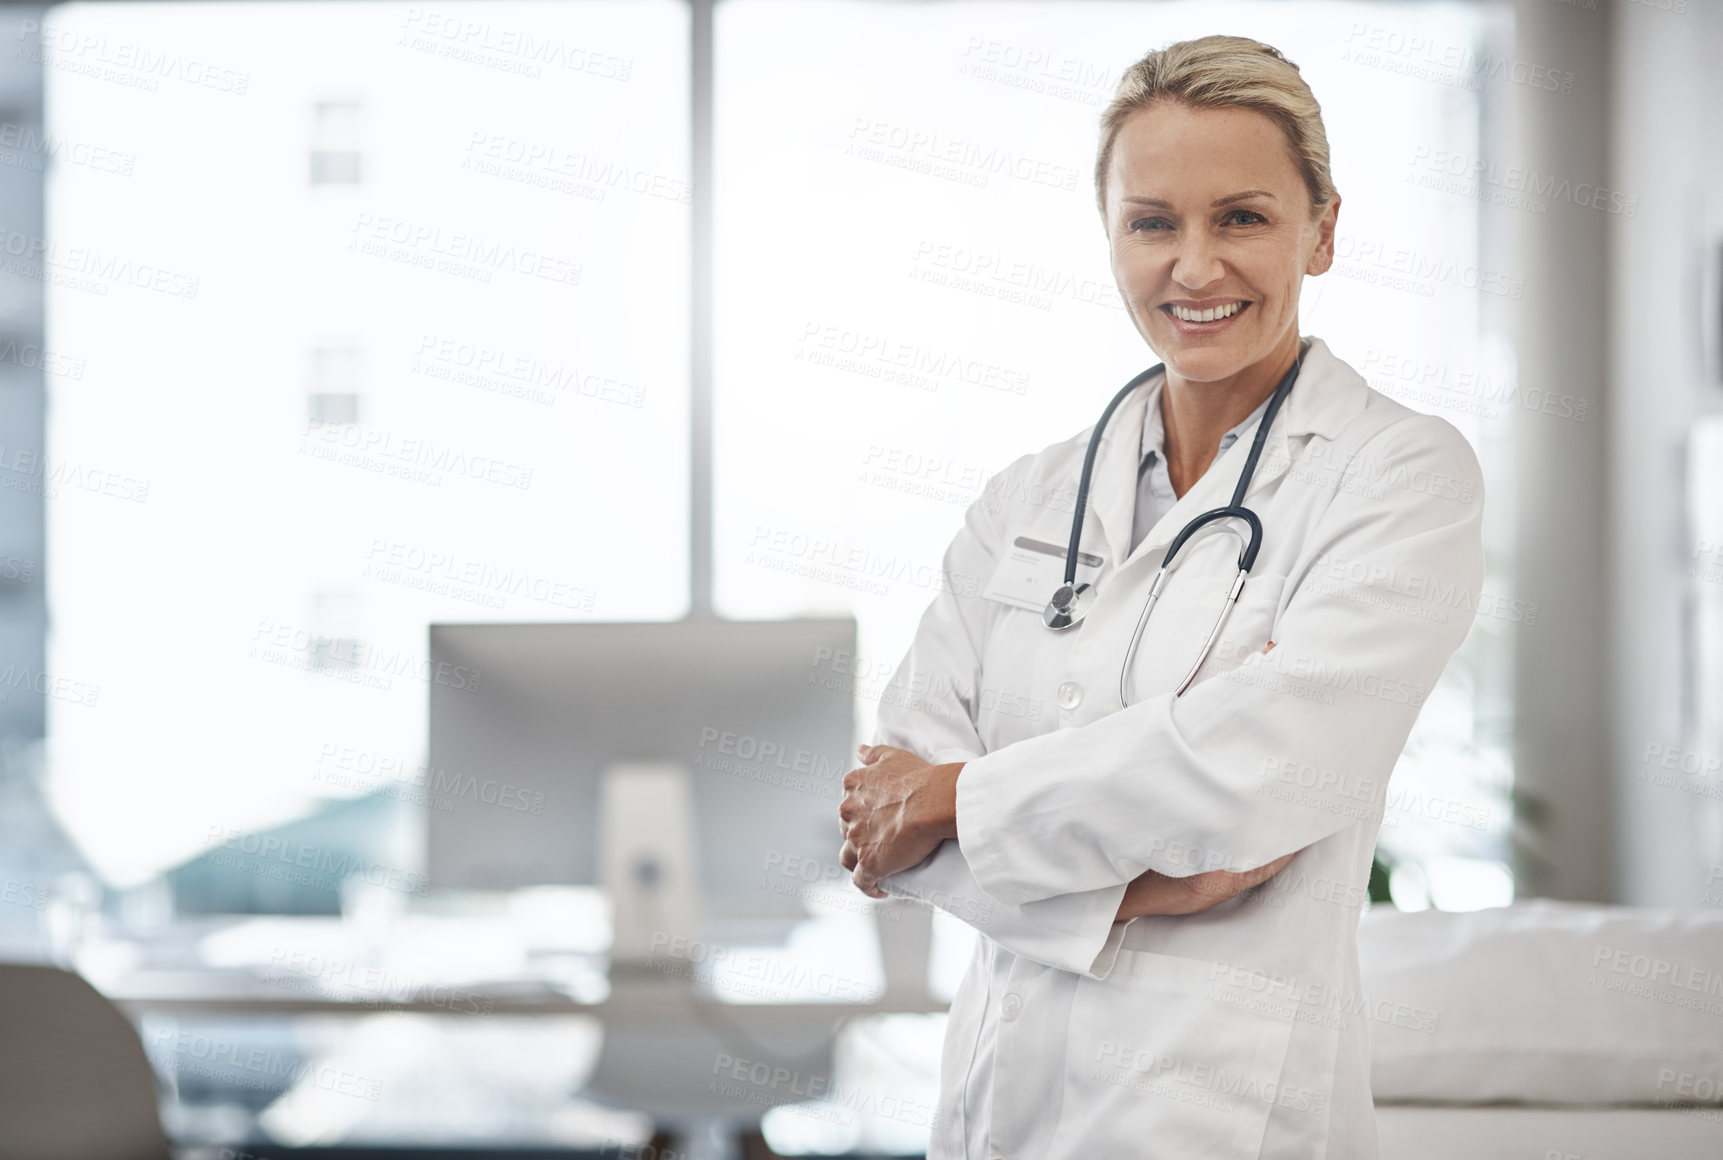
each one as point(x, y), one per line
point(1071, 552)
point(1233, 511)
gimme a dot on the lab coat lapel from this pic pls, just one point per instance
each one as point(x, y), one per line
point(1113, 483)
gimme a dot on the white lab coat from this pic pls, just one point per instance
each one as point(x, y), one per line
point(1239, 1031)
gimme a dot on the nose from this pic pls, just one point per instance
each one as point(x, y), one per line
point(1197, 263)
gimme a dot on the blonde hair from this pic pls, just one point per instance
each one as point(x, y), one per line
point(1224, 72)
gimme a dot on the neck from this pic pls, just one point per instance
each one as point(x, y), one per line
point(1195, 415)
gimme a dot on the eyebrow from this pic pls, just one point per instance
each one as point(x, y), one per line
point(1215, 204)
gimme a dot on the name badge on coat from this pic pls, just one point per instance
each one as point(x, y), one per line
point(1031, 569)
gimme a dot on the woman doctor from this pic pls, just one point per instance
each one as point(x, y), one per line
point(1167, 884)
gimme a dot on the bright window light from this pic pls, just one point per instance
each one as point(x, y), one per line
point(439, 375)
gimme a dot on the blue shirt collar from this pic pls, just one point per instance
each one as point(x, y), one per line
point(1154, 433)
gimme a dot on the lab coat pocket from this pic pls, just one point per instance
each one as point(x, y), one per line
point(1174, 1056)
point(1184, 616)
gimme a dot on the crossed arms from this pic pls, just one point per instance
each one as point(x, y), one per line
point(1047, 843)
point(898, 808)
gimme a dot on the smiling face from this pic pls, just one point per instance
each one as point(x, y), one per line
point(1211, 235)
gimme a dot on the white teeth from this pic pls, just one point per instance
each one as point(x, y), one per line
point(1210, 315)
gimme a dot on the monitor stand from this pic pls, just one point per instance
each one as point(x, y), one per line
point(647, 860)
point(665, 1046)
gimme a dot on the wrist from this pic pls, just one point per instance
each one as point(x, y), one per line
point(941, 820)
point(1153, 894)
point(1139, 900)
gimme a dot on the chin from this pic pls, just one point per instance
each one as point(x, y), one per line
point(1202, 362)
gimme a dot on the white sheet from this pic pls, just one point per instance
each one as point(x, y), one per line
point(1549, 1133)
point(1545, 1002)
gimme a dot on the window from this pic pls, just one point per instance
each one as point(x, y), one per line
point(336, 137)
point(440, 376)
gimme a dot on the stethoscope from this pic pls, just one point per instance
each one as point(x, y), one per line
point(1070, 603)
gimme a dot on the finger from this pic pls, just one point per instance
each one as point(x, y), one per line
point(848, 855)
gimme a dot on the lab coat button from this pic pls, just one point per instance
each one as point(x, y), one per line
point(1070, 695)
point(1010, 1006)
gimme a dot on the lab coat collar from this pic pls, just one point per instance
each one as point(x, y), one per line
point(1326, 396)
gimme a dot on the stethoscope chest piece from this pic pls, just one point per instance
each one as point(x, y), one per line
point(1070, 604)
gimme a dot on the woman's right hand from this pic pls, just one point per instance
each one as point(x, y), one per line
point(1154, 893)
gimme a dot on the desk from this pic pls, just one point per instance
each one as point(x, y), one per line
point(387, 1030)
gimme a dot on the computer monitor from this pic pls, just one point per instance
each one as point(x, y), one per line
point(531, 716)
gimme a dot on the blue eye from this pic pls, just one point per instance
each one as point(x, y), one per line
point(1243, 217)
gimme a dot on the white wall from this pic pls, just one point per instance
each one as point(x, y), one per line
point(1666, 147)
point(1561, 729)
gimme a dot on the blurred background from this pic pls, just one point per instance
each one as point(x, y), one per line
point(384, 388)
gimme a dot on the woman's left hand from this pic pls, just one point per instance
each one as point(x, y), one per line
point(896, 811)
point(1152, 893)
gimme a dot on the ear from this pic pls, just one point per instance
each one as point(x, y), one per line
point(1322, 257)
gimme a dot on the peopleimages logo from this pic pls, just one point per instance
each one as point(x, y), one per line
point(764, 977)
point(1152, 1070)
point(263, 849)
point(930, 151)
point(756, 1081)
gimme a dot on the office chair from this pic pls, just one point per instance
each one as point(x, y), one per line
point(74, 1081)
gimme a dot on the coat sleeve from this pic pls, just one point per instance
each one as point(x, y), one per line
point(929, 708)
point(1386, 589)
